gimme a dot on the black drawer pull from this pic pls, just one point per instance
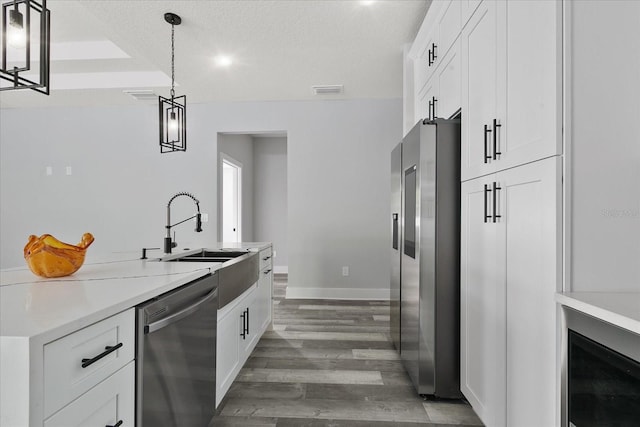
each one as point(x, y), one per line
point(266, 258)
point(118, 424)
point(107, 350)
point(267, 272)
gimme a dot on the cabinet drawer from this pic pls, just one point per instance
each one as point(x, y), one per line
point(265, 258)
point(106, 404)
point(64, 377)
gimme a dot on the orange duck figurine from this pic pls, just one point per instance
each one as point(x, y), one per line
point(49, 257)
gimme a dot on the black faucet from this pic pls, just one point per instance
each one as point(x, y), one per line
point(168, 243)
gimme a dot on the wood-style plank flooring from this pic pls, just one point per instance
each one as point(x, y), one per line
point(330, 363)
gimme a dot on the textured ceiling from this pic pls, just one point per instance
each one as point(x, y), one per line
point(279, 48)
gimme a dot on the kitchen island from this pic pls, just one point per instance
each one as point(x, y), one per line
point(37, 314)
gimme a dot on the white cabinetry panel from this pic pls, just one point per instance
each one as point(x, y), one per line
point(509, 276)
point(65, 378)
point(106, 404)
point(479, 89)
point(530, 90)
point(528, 254)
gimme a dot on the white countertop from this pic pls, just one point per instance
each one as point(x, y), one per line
point(43, 309)
point(621, 309)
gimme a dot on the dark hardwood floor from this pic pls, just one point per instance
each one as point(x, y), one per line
point(330, 363)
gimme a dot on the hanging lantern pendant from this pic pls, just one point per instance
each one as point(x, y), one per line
point(173, 133)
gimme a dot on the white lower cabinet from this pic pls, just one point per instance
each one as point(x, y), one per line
point(510, 272)
point(107, 404)
point(241, 324)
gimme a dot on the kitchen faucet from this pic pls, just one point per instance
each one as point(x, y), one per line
point(168, 243)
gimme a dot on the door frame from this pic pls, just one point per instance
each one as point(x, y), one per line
point(225, 158)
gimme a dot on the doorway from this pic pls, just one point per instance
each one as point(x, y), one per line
point(231, 199)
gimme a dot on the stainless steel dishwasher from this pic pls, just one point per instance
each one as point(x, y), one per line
point(176, 356)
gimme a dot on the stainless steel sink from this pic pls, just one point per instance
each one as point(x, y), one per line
point(239, 271)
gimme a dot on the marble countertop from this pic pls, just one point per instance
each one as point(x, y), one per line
point(621, 309)
point(43, 309)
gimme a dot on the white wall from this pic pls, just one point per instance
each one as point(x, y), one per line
point(270, 197)
point(605, 145)
point(240, 148)
point(338, 173)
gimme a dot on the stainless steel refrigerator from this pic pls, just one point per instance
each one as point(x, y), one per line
point(425, 256)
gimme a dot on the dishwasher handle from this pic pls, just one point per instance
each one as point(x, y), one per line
point(152, 327)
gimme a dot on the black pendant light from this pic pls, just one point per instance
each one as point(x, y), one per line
point(25, 32)
point(173, 111)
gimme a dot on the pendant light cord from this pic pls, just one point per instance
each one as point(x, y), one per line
point(172, 63)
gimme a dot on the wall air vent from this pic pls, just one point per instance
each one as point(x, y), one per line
point(327, 89)
point(142, 95)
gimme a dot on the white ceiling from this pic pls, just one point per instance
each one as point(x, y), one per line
point(279, 49)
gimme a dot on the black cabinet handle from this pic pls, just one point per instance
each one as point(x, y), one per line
point(107, 350)
point(118, 424)
point(247, 319)
point(243, 334)
point(266, 258)
point(496, 153)
point(267, 272)
point(486, 191)
point(486, 131)
point(430, 58)
point(394, 231)
point(495, 198)
point(434, 107)
point(433, 50)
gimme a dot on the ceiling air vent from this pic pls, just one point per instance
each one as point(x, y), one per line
point(327, 89)
point(142, 95)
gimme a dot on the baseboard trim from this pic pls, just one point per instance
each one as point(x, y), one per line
point(280, 269)
point(337, 293)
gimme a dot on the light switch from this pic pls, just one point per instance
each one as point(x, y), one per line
point(49, 170)
point(68, 170)
point(205, 217)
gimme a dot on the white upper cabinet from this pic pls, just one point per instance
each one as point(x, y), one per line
point(511, 85)
point(530, 92)
point(479, 90)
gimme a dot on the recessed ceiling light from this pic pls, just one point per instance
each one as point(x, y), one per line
point(367, 2)
point(223, 60)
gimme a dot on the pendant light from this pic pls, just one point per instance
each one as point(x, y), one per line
point(173, 113)
point(25, 32)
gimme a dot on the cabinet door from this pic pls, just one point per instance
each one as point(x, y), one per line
point(529, 242)
point(448, 27)
point(479, 86)
point(228, 359)
point(449, 79)
point(529, 110)
point(424, 101)
point(252, 321)
point(265, 293)
point(106, 404)
point(479, 294)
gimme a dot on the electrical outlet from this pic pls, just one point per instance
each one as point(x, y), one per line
point(274, 254)
point(205, 217)
point(49, 170)
point(345, 270)
point(68, 170)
